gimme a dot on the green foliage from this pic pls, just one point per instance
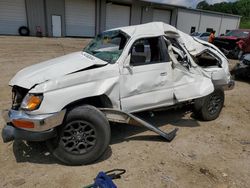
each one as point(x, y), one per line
point(240, 7)
point(245, 23)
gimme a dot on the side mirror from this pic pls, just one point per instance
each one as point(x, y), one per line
point(126, 63)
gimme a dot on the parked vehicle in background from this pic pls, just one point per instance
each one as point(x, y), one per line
point(228, 42)
point(244, 46)
point(70, 100)
point(242, 69)
point(201, 36)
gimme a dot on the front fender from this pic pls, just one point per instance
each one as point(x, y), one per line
point(59, 93)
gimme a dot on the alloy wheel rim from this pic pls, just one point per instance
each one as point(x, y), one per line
point(79, 137)
point(214, 104)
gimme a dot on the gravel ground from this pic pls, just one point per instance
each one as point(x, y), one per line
point(212, 154)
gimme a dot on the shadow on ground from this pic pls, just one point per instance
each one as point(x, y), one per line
point(37, 152)
point(174, 118)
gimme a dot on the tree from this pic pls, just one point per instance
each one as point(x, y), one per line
point(202, 5)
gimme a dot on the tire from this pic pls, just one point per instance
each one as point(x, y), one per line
point(208, 108)
point(24, 31)
point(235, 53)
point(83, 137)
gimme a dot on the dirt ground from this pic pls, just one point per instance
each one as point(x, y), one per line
point(212, 154)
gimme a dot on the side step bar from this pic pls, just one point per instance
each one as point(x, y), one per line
point(122, 117)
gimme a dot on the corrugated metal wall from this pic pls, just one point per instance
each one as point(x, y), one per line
point(117, 16)
point(162, 15)
point(39, 13)
point(204, 20)
point(188, 19)
point(36, 16)
point(228, 23)
point(55, 7)
point(210, 21)
point(12, 16)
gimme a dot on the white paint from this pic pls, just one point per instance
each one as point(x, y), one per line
point(129, 88)
point(210, 21)
point(187, 19)
point(228, 23)
point(56, 26)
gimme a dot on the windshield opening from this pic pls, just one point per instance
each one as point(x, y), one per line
point(108, 45)
point(235, 33)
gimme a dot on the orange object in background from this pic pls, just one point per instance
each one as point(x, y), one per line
point(211, 37)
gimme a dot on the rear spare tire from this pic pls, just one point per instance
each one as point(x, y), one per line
point(208, 108)
point(83, 137)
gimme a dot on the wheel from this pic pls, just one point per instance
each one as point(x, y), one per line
point(82, 138)
point(235, 53)
point(24, 31)
point(208, 108)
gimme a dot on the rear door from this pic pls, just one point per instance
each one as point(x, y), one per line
point(147, 83)
point(189, 80)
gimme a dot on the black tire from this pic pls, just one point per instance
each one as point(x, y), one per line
point(208, 108)
point(24, 31)
point(235, 53)
point(83, 137)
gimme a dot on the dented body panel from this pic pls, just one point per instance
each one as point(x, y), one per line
point(80, 75)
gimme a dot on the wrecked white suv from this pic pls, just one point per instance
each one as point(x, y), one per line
point(70, 100)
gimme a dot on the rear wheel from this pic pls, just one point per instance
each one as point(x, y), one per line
point(208, 108)
point(83, 138)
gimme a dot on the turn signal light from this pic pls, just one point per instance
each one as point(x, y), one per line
point(23, 124)
point(31, 102)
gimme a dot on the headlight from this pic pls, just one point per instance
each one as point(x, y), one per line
point(31, 102)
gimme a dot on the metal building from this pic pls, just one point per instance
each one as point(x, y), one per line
point(86, 18)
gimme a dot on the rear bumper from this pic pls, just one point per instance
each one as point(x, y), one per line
point(10, 133)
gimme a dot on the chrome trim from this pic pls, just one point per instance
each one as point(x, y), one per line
point(42, 122)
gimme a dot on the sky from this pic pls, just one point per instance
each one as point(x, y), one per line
point(188, 3)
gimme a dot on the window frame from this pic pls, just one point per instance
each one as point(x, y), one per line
point(164, 57)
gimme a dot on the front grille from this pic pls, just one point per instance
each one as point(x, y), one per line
point(18, 93)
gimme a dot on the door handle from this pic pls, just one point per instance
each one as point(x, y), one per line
point(164, 74)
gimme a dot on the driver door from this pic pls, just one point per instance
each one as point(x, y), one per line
point(146, 82)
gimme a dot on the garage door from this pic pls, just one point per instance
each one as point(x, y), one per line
point(117, 16)
point(228, 23)
point(12, 16)
point(209, 22)
point(162, 15)
point(80, 18)
point(188, 19)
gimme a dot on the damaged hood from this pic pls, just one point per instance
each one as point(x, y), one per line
point(54, 68)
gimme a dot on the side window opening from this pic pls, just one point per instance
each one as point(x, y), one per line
point(148, 51)
point(179, 53)
point(206, 59)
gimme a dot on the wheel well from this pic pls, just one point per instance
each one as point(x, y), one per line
point(101, 101)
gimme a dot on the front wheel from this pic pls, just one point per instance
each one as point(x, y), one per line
point(83, 137)
point(208, 108)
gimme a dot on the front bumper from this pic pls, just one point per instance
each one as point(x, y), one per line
point(43, 125)
point(10, 133)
